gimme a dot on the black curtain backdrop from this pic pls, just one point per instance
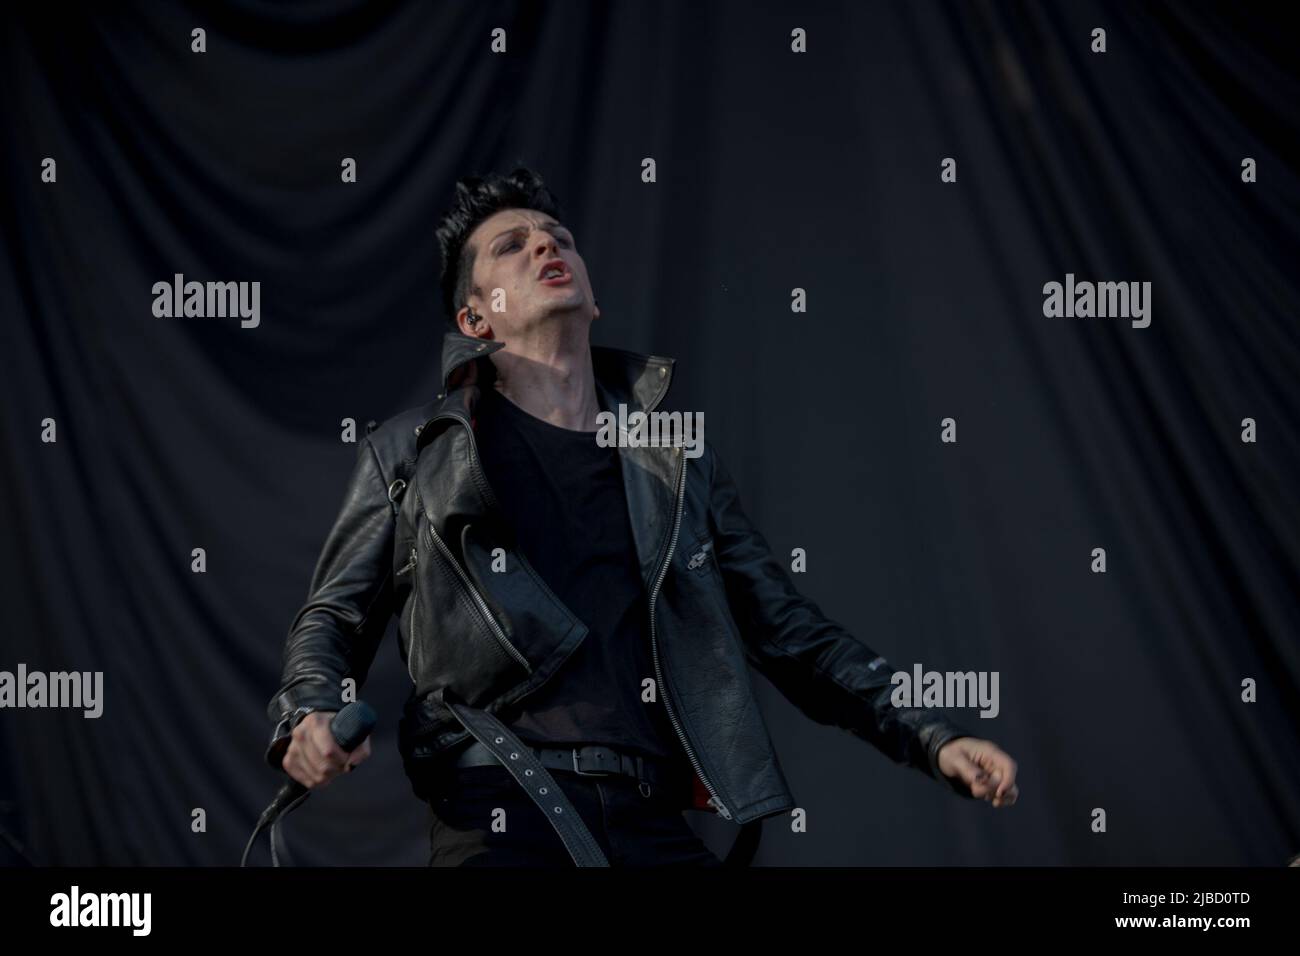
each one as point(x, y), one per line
point(775, 170)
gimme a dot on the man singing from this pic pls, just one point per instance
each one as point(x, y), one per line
point(577, 618)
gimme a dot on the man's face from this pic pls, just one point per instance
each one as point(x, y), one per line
point(513, 250)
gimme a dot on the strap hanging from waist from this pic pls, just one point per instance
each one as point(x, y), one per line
point(521, 760)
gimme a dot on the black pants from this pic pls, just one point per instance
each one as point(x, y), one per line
point(632, 829)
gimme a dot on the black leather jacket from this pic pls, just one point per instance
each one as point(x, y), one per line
point(415, 537)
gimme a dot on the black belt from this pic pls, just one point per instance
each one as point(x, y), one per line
point(526, 765)
point(520, 759)
point(587, 761)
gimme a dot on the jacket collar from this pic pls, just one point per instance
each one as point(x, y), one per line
point(637, 380)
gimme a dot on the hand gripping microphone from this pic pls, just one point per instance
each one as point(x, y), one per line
point(350, 727)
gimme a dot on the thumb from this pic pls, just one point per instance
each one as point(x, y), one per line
point(360, 754)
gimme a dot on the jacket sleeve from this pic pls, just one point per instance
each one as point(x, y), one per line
point(349, 602)
point(831, 676)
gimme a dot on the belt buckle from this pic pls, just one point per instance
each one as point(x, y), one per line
point(588, 773)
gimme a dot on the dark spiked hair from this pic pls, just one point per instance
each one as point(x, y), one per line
point(477, 198)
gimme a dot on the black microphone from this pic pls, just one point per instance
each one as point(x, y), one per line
point(350, 727)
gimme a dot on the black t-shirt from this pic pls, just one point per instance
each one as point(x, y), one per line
point(563, 495)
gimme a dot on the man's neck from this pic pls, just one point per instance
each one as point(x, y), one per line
point(552, 381)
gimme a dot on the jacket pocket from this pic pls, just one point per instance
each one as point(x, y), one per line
point(700, 568)
point(481, 612)
point(452, 642)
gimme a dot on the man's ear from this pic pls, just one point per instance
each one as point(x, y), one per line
point(461, 325)
point(482, 329)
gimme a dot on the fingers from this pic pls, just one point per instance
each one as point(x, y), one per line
point(314, 757)
point(297, 766)
point(972, 774)
point(1002, 791)
point(1007, 791)
point(989, 772)
point(308, 752)
point(323, 750)
point(311, 771)
point(357, 756)
point(292, 765)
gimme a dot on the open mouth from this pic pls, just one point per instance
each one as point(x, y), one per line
point(555, 272)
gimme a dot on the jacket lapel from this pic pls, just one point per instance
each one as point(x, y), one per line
point(648, 472)
point(639, 382)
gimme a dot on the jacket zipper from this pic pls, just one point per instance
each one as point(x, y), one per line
point(700, 557)
point(481, 482)
point(488, 495)
point(499, 634)
point(714, 799)
point(415, 597)
point(476, 472)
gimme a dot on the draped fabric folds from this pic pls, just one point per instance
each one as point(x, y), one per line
point(776, 173)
